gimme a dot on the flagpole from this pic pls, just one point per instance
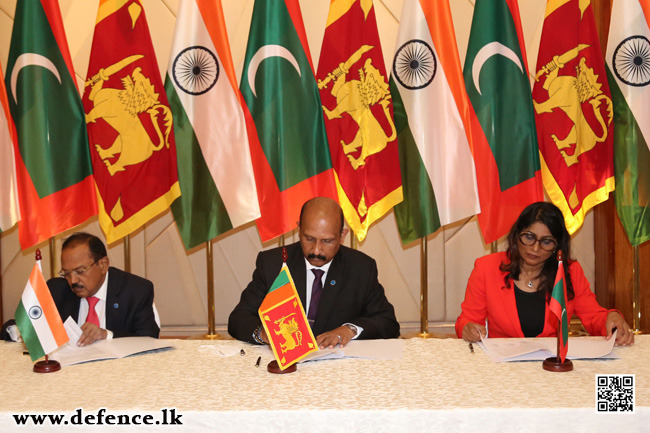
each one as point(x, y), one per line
point(424, 290)
point(212, 333)
point(1, 316)
point(636, 301)
point(127, 253)
point(52, 255)
point(493, 247)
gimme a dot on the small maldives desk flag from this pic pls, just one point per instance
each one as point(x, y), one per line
point(285, 322)
point(557, 306)
point(39, 322)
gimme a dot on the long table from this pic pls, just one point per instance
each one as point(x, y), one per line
point(438, 385)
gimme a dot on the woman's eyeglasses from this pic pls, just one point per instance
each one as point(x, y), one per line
point(546, 243)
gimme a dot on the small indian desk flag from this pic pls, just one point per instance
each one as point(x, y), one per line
point(285, 322)
point(558, 306)
point(37, 318)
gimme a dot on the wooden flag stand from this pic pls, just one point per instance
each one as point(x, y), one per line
point(554, 363)
point(48, 365)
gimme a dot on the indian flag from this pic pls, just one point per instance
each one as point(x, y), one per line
point(9, 211)
point(214, 163)
point(37, 318)
point(628, 67)
point(432, 119)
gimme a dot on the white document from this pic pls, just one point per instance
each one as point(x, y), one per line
point(370, 349)
point(70, 353)
point(531, 349)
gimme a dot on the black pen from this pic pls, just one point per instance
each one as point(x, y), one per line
point(471, 347)
point(257, 363)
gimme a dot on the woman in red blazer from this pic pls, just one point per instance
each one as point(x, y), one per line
point(508, 292)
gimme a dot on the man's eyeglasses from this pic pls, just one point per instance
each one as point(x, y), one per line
point(546, 243)
point(77, 272)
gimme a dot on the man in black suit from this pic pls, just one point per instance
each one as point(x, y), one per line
point(352, 302)
point(122, 303)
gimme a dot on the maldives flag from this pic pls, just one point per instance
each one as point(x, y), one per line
point(214, 163)
point(628, 67)
point(432, 121)
point(9, 211)
point(359, 114)
point(286, 127)
point(37, 318)
point(129, 122)
point(574, 113)
point(503, 132)
point(285, 322)
point(55, 183)
point(557, 305)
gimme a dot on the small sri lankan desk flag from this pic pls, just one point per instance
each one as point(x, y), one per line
point(573, 111)
point(285, 322)
point(558, 306)
point(37, 318)
point(358, 110)
point(129, 122)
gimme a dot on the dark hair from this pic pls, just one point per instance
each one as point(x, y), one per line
point(302, 210)
point(549, 215)
point(95, 245)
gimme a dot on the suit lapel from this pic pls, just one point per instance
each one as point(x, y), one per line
point(298, 269)
point(333, 284)
point(112, 298)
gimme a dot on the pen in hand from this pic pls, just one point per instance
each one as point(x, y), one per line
point(471, 347)
point(257, 363)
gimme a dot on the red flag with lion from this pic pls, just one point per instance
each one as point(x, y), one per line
point(129, 122)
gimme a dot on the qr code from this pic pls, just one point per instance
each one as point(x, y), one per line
point(615, 393)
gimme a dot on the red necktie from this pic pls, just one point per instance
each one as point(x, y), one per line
point(92, 314)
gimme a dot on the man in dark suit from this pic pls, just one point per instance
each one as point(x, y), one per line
point(105, 301)
point(351, 304)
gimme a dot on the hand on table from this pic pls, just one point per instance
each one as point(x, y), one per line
point(341, 335)
point(472, 332)
point(624, 336)
point(91, 333)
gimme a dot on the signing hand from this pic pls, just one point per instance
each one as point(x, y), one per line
point(91, 333)
point(341, 335)
point(624, 336)
point(472, 332)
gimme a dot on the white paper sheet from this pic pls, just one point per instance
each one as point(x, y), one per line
point(530, 349)
point(370, 349)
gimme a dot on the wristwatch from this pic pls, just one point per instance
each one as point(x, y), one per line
point(353, 328)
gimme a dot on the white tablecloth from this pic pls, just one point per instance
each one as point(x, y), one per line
point(438, 385)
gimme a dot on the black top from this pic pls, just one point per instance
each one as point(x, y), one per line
point(531, 308)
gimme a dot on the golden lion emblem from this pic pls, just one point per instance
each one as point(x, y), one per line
point(567, 93)
point(120, 109)
point(287, 329)
point(356, 97)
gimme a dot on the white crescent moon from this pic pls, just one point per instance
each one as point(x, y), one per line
point(489, 50)
point(264, 53)
point(28, 59)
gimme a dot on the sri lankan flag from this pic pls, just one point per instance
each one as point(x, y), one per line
point(358, 110)
point(129, 121)
point(573, 111)
point(285, 322)
point(557, 305)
